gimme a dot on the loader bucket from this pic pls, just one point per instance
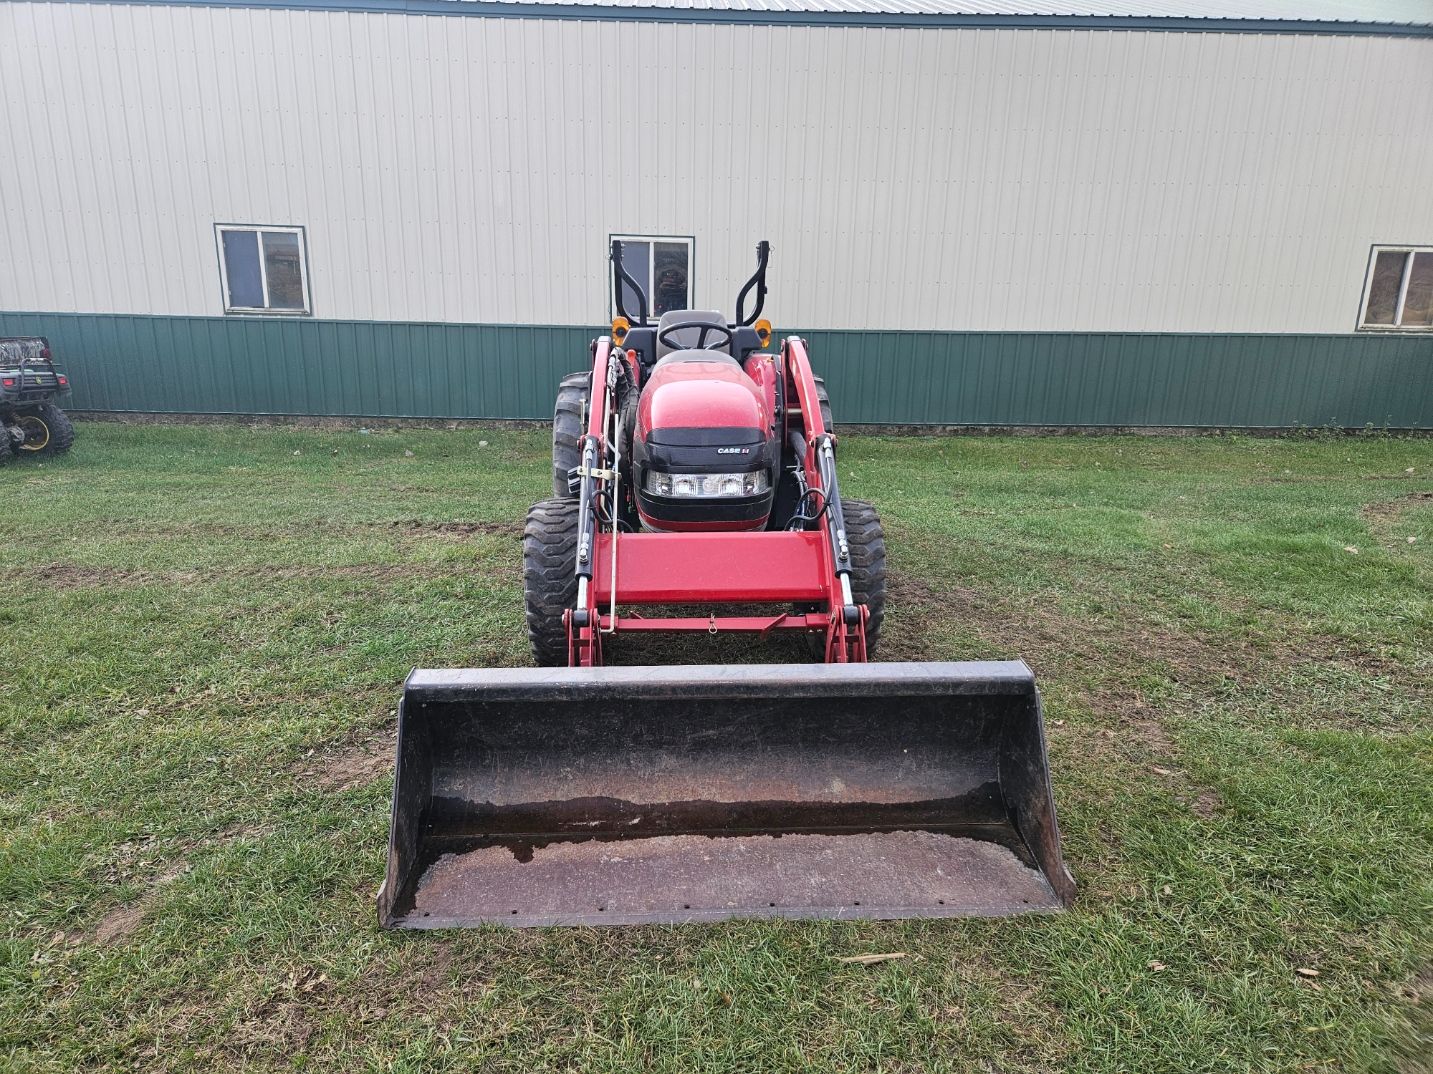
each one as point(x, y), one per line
point(624, 795)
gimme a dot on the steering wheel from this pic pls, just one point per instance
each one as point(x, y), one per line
point(705, 326)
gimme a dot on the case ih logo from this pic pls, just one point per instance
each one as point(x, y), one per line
point(733, 451)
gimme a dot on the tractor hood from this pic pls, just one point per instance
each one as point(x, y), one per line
point(701, 414)
point(699, 392)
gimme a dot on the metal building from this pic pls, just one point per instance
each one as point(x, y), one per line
point(991, 212)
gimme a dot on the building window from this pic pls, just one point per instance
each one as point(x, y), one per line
point(1399, 292)
point(663, 266)
point(263, 269)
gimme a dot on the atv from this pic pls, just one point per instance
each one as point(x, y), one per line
point(30, 422)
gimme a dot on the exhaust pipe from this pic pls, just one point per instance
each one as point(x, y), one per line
point(583, 796)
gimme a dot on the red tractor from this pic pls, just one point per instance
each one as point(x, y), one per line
point(695, 468)
point(701, 471)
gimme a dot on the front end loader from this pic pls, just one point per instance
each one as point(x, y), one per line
point(696, 491)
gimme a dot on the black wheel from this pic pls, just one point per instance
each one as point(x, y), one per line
point(566, 431)
point(824, 397)
point(868, 565)
point(7, 452)
point(48, 430)
point(549, 562)
point(868, 575)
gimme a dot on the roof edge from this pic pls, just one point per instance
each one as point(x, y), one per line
point(501, 9)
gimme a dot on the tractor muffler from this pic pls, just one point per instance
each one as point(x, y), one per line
point(627, 795)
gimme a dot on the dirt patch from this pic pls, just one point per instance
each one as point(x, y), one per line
point(120, 922)
point(916, 615)
point(352, 765)
point(280, 1022)
point(505, 528)
point(1412, 1047)
point(68, 576)
point(1151, 734)
point(434, 971)
point(1206, 804)
point(1045, 637)
point(123, 920)
point(1388, 520)
point(367, 571)
point(286, 1019)
point(1386, 512)
point(76, 576)
point(1092, 655)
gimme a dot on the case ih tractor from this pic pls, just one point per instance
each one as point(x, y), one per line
point(696, 491)
point(30, 422)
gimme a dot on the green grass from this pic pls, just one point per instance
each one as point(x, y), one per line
point(203, 637)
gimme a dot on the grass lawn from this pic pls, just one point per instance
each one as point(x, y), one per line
point(204, 634)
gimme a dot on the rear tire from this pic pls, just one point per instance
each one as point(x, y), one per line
point(549, 572)
point(7, 451)
point(566, 431)
point(48, 430)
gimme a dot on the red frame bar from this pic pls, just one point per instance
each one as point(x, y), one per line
point(803, 382)
point(597, 389)
point(717, 624)
point(713, 568)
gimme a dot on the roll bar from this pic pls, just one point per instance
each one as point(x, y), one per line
point(758, 280)
point(620, 275)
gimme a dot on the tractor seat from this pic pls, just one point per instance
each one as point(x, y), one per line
point(716, 342)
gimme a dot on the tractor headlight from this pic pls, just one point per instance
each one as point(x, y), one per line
point(706, 485)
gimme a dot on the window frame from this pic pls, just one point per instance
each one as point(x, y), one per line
point(1408, 250)
point(258, 230)
point(651, 240)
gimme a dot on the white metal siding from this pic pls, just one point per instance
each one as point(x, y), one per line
point(1415, 12)
point(471, 169)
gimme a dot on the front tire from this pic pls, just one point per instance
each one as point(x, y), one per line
point(823, 397)
point(868, 566)
point(868, 575)
point(549, 572)
point(567, 431)
point(48, 430)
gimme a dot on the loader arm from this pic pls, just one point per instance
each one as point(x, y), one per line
point(816, 447)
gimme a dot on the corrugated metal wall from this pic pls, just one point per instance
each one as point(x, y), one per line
point(470, 169)
point(255, 366)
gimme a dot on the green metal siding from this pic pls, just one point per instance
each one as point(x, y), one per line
point(300, 366)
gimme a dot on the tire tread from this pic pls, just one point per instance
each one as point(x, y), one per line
point(549, 556)
point(868, 559)
point(567, 430)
